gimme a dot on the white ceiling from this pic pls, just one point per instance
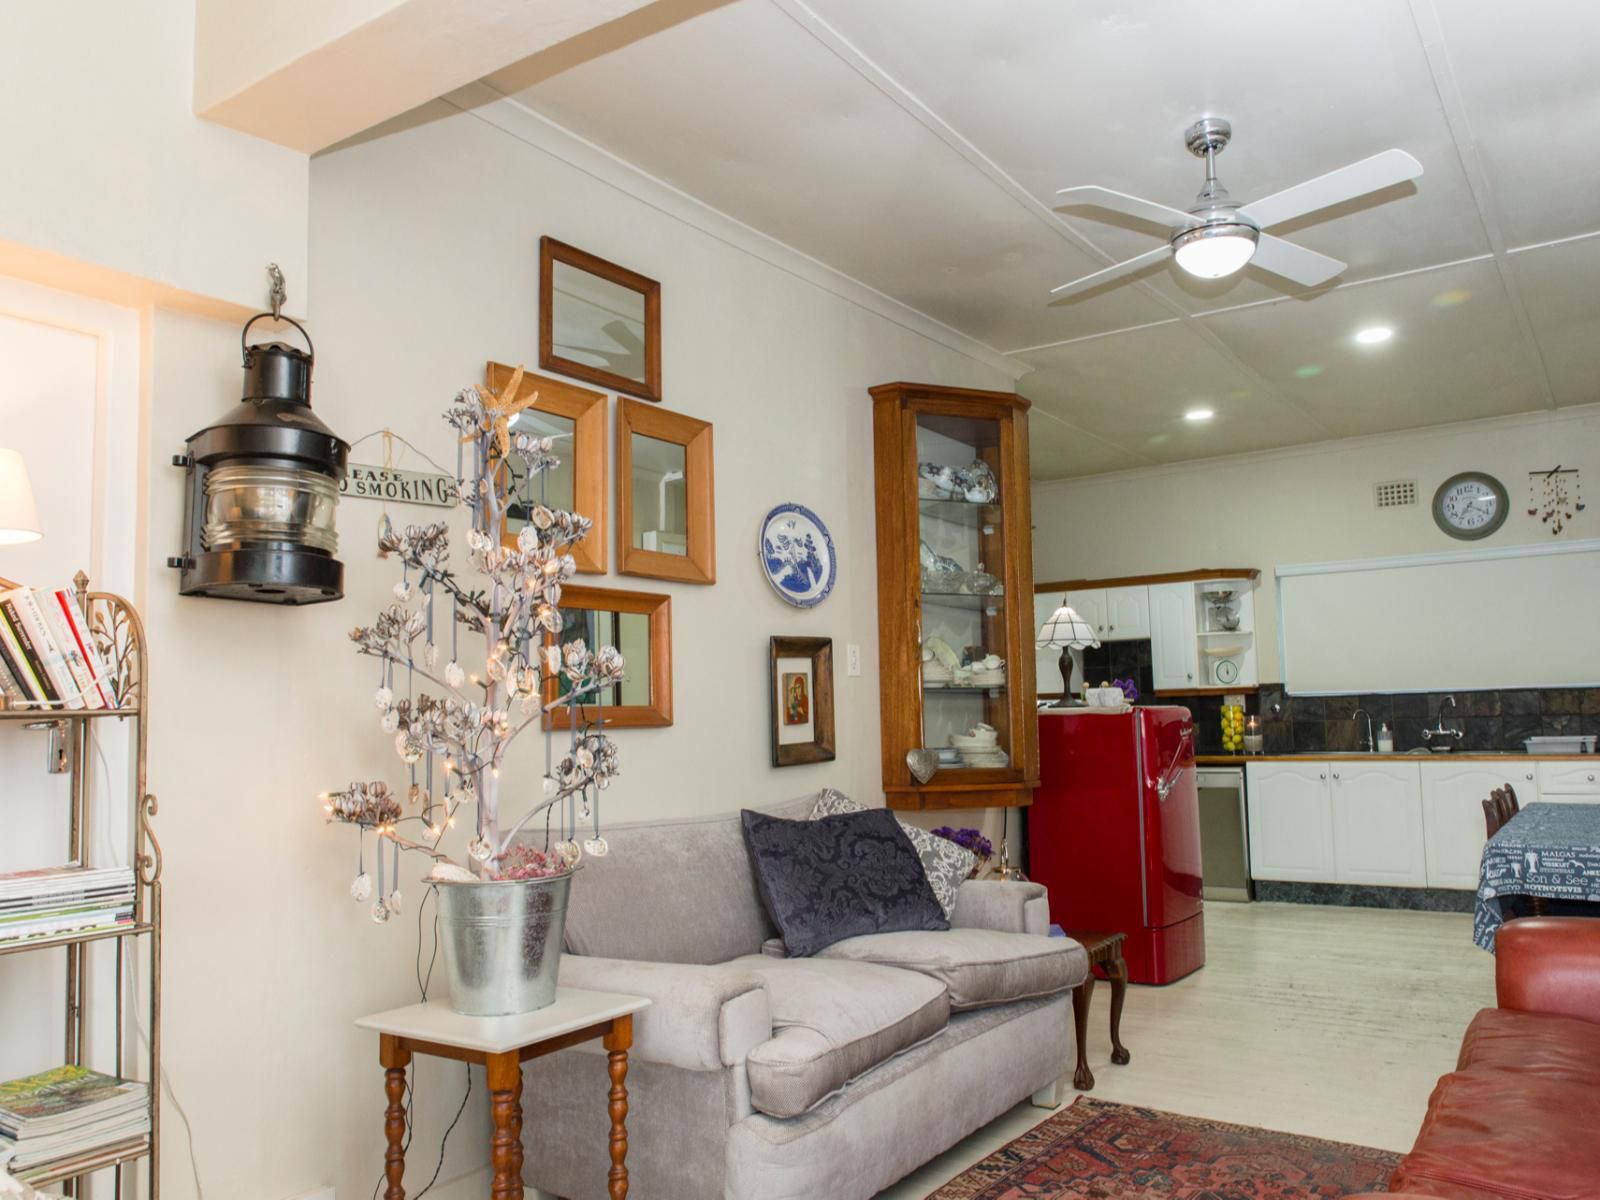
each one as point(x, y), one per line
point(916, 145)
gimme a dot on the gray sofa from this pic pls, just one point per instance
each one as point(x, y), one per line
point(758, 1077)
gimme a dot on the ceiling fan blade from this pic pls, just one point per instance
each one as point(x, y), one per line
point(623, 335)
point(1294, 263)
point(1359, 178)
point(1122, 268)
point(1132, 206)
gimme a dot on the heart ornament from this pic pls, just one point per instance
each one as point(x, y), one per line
point(924, 763)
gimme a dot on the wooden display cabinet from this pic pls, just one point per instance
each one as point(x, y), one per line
point(949, 599)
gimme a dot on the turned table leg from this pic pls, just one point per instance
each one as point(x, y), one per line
point(395, 1058)
point(505, 1110)
point(1082, 1078)
point(1117, 972)
point(616, 1044)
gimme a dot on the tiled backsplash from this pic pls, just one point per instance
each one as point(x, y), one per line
point(1491, 720)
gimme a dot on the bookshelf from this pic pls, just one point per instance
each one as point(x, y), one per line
point(118, 635)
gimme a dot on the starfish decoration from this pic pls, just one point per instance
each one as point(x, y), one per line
point(501, 406)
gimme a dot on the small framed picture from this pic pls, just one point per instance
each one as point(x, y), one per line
point(801, 673)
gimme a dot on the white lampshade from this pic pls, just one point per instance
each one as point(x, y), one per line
point(19, 520)
point(1211, 252)
point(1066, 628)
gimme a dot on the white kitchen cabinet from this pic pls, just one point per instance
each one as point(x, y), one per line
point(1290, 807)
point(1564, 780)
point(1377, 823)
point(1173, 651)
point(1091, 606)
point(1452, 814)
point(1127, 614)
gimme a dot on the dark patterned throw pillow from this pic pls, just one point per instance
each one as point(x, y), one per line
point(826, 880)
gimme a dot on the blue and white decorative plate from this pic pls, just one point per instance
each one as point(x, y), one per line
point(797, 555)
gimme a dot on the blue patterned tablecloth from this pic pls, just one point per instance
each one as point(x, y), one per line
point(1549, 850)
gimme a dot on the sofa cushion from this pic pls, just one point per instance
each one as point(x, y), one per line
point(978, 967)
point(1497, 1134)
point(837, 877)
point(946, 864)
point(1549, 1047)
point(834, 1021)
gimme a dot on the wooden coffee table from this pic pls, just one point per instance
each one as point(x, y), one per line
point(501, 1045)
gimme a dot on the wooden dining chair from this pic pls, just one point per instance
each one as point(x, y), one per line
point(1498, 809)
point(1494, 814)
point(1508, 803)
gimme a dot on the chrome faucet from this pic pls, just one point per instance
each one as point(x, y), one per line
point(1441, 738)
point(1451, 701)
point(1371, 745)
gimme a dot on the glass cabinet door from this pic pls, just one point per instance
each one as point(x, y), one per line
point(965, 675)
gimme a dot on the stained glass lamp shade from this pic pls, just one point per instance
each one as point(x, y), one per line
point(1066, 629)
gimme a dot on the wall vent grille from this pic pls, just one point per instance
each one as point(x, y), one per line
point(1397, 493)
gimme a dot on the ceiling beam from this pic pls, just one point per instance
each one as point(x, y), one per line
point(308, 74)
point(1430, 31)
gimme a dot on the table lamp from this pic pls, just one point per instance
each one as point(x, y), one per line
point(1066, 629)
point(19, 520)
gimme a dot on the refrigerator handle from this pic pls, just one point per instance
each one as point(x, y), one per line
point(1174, 772)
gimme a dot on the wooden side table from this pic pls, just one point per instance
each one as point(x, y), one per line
point(1105, 951)
point(501, 1045)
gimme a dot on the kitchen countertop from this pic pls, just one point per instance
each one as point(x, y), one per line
point(1238, 760)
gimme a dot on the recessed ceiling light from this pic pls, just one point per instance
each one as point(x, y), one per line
point(1372, 335)
point(1199, 414)
point(1309, 371)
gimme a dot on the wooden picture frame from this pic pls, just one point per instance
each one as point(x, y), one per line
point(552, 252)
point(699, 563)
point(658, 607)
point(801, 698)
point(587, 412)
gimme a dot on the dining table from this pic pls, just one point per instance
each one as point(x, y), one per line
point(1547, 851)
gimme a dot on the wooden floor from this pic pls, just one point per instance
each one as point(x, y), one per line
point(1334, 1022)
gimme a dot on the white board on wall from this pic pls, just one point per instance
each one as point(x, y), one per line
point(1513, 617)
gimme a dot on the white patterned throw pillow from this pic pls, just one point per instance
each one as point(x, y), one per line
point(946, 864)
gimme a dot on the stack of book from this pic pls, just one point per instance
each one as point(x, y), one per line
point(64, 900)
point(70, 1113)
point(48, 658)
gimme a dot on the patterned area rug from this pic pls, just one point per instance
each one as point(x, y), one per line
point(1105, 1151)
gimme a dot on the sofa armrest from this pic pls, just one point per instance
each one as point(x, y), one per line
point(701, 1018)
point(1009, 906)
point(1549, 965)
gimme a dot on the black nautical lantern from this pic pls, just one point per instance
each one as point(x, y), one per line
point(263, 488)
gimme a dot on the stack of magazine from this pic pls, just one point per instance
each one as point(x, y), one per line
point(70, 1113)
point(67, 899)
point(48, 658)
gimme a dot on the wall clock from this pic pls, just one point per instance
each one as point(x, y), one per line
point(1470, 505)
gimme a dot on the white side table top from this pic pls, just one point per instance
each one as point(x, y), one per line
point(436, 1021)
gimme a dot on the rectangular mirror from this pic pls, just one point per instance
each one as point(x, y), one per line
point(575, 418)
point(639, 624)
point(598, 321)
point(666, 526)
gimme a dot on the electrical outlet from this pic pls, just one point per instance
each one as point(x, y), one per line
point(852, 659)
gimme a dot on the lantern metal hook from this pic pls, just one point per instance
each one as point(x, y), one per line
point(279, 294)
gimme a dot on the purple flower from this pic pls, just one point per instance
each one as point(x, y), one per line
point(1130, 689)
point(967, 839)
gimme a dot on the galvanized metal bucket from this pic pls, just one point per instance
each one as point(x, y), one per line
point(502, 943)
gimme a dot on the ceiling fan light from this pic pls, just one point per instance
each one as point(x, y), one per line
point(1214, 251)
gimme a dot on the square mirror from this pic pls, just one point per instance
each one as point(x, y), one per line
point(639, 624)
point(598, 321)
point(666, 527)
point(575, 418)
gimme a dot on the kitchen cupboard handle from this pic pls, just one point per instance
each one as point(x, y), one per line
point(1529, 775)
point(1591, 777)
point(1336, 774)
point(1322, 774)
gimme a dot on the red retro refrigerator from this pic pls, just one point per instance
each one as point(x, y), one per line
point(1114, 833)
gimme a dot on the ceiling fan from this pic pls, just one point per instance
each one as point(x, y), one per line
point(1218, 236)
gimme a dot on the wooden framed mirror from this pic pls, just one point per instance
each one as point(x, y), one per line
point(639, 624)
point(576, 418)
point(598, 321)
point(666, 520)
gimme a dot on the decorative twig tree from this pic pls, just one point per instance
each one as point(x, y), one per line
point(472, 719)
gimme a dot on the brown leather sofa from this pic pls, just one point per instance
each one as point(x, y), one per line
point(1519, 1117)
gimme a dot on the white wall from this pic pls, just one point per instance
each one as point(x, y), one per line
point(1309, 504)
point(425, 248)
point(106, 163)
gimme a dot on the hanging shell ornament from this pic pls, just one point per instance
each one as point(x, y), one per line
point(453, 674)
point(479, 849)
point(570, 851)
point(596, 847)
point(550, 787)
point(391, 721)
point(402, 590)
point(361, 887)
point(430, 655)
point(380, 912)
point(393, 902)
point(383, 697)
